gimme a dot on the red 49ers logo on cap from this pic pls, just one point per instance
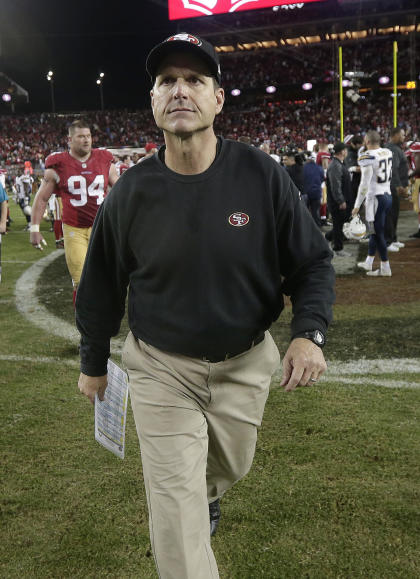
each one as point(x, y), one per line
point(185, 37)
point(238, 219)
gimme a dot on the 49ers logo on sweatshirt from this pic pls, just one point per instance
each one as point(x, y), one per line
point(238, 219)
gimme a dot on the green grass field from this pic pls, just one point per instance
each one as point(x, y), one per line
point(334, 491)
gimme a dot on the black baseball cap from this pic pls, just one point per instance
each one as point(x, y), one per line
point(184, 42)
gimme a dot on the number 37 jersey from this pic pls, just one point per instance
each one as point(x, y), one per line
point(82, 186)
point(381, 162)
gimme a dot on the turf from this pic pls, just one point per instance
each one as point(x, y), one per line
point(333, 493)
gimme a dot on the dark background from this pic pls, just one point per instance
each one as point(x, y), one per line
point(77, 39)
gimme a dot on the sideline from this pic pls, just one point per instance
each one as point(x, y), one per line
point(39, 360)
point(368, 372)
point(31, 308)
point(330, 376)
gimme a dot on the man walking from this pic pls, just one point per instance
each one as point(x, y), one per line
point(208, 234)
point(313, 178)
point(376, 166)
point(80, 177)
point(399, 186)
point(338, 195)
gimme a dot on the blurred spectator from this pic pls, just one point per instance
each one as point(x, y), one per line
point(267, 149)
point(313, 177)
point(151, 149)
point(338, 190)
point(399, 186)
point(354, 143)
point(23, 187)
point(415, 191)
point(3, 209)
point(293, 162)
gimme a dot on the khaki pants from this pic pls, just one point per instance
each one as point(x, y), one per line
point(197, 425)
point(76, 241)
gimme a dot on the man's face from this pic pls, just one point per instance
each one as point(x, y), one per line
point(399, 137)
point(288, 161)
point(184, 100)
point(81, 142)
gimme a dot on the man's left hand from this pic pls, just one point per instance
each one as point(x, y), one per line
point(303, 364)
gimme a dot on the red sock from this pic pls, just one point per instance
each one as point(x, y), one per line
point(323, 210)
point(58, 229)
point(74, 298)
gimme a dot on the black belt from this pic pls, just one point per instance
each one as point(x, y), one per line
point(224, 357)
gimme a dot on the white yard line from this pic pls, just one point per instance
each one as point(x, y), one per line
point(377, 366)
point(349, 380)
point(31, 308)
point(367, 381)
point(39, 360)
point(354, 372)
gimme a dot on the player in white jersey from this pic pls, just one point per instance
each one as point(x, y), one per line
point(375, 186)
point(23, 189)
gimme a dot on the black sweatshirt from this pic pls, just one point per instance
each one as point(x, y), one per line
point(206, 257)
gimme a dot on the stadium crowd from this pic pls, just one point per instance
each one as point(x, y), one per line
point(289, 116)
point(311, 63)
point(32, 137)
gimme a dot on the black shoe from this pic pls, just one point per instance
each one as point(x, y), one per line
point(416, 234)
point(214, 511)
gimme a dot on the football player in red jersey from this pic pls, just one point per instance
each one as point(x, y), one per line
point(414, 164)
point(80, 177)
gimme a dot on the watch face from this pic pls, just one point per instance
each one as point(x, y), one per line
point(318, 337)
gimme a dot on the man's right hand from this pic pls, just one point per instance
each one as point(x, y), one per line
point(91, 385)
point(37, 240)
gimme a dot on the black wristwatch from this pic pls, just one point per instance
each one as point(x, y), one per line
point(315, 336)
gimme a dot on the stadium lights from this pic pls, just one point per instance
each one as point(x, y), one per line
point(6, 97)
point(270, 89)
point(235, 92)
point(101, 92)
point(307, 86)
point(346, 83)
point(383, 80)
point(50, 79)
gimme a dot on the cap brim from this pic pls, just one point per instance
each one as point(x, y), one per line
point(161, 51)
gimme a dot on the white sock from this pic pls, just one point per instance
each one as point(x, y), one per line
point(370, 259)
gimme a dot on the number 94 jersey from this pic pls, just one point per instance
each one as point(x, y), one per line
point(381, 161)
point(82, 186)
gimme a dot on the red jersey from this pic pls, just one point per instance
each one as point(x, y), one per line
point(411, 153)
point(81, 186)
point(322, 155)
point(122, 167)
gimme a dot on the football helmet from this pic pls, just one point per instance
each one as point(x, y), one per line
point(355, 228)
